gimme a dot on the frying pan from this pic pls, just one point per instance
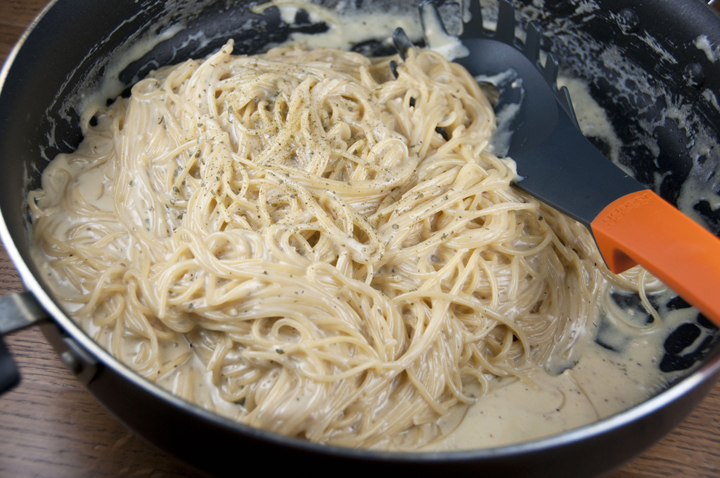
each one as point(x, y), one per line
point(57, 61)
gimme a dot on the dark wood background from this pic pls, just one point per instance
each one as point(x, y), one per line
point(50, 426)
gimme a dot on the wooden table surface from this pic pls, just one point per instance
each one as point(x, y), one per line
point(50, 426)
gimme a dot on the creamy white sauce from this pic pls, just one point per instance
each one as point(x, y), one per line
point(437, 39)
point(502, 136)
point(347, 31)
point(593, 120)
point(702, 43)
point(600, 385)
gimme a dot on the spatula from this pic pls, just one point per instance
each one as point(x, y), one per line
point(558, 165)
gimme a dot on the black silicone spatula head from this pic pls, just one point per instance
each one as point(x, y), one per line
point(555, 162)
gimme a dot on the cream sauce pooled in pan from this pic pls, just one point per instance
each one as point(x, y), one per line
point(601, 384)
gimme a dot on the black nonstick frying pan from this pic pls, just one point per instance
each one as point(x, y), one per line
point(645, 62)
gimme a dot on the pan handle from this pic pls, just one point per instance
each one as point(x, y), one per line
point(9, 374)
point(17, 311)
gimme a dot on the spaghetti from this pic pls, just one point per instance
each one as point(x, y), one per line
point(330, 247)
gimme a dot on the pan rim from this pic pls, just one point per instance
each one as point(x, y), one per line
point(706, 371)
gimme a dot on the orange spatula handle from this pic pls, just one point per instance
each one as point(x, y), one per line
point(641, 228)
